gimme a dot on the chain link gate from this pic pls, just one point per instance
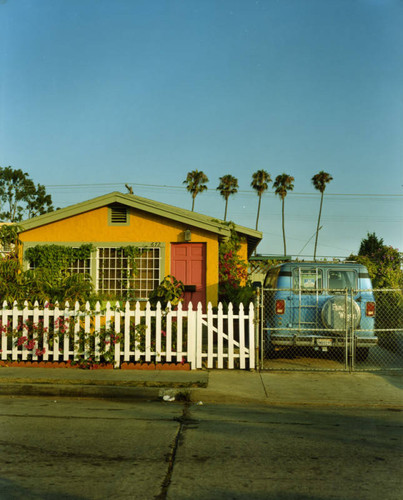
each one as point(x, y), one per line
point(340, 332)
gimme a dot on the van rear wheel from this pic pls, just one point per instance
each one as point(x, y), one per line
point(361, 353)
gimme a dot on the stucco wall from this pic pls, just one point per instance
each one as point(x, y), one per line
point(93, 227)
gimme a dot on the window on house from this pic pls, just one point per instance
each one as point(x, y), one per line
point(5, 249)
point(80, 266)
point(117, 277)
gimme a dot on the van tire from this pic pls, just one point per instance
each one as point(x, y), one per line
point(268, 348)
point(334, 313)
point(361, 353)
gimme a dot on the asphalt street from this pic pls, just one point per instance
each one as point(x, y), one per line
point(72, 448)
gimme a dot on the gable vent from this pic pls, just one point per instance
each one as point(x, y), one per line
point(119, 214)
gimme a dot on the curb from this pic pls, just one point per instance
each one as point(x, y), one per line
point(194, 395)
point(81, 391)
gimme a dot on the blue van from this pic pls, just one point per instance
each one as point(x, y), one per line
point(324, 305)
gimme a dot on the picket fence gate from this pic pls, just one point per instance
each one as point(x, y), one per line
point(211, 339)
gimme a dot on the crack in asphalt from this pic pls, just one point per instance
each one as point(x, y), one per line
point(184, 421)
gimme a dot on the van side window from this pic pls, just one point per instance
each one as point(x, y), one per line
point(307, 279)
point(271, 278)
point(341, 279)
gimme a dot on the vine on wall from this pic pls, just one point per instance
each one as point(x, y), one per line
point(57, 257)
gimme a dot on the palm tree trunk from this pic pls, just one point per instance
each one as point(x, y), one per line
point(317, 227)
point(282, 213)
point(226, 206)
point(193, 203)
point(258, 210)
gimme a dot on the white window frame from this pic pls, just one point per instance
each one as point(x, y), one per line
point(142, 284)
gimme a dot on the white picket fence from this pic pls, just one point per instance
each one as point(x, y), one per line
point(211, 339)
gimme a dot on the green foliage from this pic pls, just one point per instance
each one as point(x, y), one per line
point(260, 180)
point(232, 269)
point(11, 274)
point(169, 290)
point(11, 279)
point(56, 257)
point(9, 235)
point(53, 285)
point(228, 186)
point(243, 294)
point(371, 245)
point(131, 253)
point(282, 185)
point(195, 183)
point(319, 181)
point(50, 280)
point(20, 197)
point(384, 263)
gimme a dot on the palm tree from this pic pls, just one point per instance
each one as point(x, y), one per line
point(196, 183)
point(319, 181)
point(260, 180)
point(282, 185)
point(228, 185)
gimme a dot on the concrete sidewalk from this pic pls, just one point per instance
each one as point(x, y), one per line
point(359, 389)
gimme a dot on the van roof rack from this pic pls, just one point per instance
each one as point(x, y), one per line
point(305, 259)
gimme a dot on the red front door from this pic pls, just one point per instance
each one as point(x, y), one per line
point(188, 264)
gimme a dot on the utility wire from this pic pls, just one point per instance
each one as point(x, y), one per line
point(181, 188)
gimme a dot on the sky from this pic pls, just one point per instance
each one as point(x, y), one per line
point(95, 94)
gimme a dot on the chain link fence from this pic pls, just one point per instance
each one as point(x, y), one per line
point(360, 330)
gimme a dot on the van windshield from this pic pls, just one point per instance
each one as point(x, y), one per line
point(341, 279)
point(307, 280)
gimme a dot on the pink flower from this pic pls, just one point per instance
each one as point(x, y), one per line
point(30, 345)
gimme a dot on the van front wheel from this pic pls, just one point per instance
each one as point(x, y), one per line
point(268, 348)
point(361, 353)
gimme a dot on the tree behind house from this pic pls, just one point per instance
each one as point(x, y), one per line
point(319, 181)
point(260, 180)
point(228, 185)
point(195, 183)
point(282, 185)
point(20, 198)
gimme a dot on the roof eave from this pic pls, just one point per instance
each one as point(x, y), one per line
point(184, 216)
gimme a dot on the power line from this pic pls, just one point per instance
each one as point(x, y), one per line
point(181, 188)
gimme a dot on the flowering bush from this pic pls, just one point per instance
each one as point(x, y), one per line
point(233, 273)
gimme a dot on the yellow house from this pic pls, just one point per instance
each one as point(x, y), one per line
point(170, 241)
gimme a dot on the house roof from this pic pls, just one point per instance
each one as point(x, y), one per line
point(182, 215)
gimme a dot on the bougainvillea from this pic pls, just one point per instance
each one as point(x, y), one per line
point(233, 273)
